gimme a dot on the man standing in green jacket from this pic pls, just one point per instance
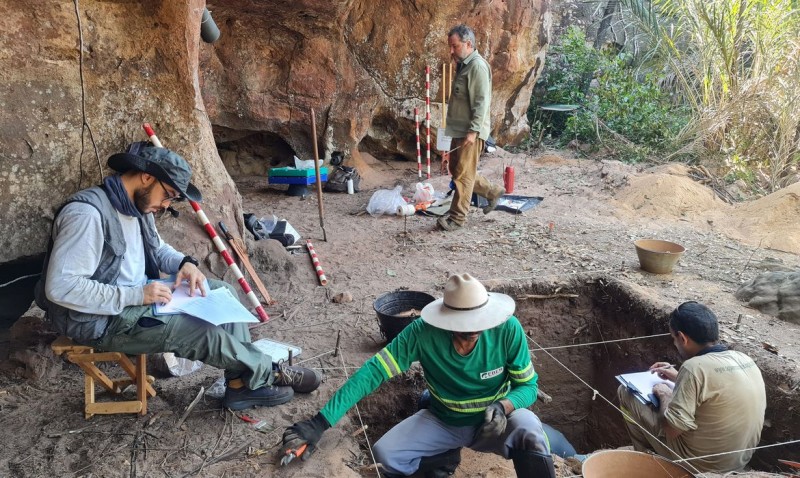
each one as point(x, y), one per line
point(468, 123)
point(478, 369)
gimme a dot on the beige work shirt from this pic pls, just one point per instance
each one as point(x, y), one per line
point(718, 402)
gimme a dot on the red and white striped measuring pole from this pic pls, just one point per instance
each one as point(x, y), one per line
point(419, 155)
point(203, 219)
point(428, 118)
point(315, 260)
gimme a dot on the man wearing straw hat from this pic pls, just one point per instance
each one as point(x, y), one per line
point(477, 366)
point(468, 123)
point(713, 406)
point(97, 287)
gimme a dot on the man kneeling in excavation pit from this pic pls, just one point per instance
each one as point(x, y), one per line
point(481, 381)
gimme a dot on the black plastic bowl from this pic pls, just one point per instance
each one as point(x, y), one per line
point(390, 304)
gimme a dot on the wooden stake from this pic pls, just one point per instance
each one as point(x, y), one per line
point(316, 169)
point(338, 338)
point(444, 87)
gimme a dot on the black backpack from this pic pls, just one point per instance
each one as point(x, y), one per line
point(337, 181)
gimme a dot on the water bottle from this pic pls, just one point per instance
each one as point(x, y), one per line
point(508, 179)
point(350, 189)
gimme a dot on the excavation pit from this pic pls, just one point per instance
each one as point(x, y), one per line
point(560, 315)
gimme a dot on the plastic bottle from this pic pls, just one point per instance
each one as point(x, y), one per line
point(350, 189)
point(508, 179)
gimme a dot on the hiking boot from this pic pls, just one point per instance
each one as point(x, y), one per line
point(301, 379)
point(266, 396)
point(447, 224)
point(493, 202)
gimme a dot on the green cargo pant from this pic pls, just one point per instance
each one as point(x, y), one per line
point(464, 168)
point(138, 331)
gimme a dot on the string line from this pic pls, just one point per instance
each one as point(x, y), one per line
point(358, 412)
point(596, 393)
point(597, 343)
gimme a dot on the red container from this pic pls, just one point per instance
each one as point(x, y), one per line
point(508, 179)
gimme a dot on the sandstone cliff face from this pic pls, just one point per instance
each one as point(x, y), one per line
point(359, 63)
point(139, 65)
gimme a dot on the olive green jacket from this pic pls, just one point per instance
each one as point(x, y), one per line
point(468, 108)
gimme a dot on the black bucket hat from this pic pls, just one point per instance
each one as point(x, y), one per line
point(163, 164)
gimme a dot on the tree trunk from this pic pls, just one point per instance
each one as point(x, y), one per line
point(608, 13)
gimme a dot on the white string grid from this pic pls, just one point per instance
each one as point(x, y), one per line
point(595, 392)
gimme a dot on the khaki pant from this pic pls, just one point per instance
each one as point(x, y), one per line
point(138, 331)
point(464, 168)
point(647, 417)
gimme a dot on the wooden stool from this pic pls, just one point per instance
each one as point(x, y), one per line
point(86, 358)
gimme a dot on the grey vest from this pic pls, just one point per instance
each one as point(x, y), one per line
point(83, 327)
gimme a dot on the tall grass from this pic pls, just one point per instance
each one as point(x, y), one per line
point(736, 64)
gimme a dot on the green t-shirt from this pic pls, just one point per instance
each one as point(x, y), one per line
point(461, 386)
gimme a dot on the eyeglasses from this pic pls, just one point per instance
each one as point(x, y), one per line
point(167, 197)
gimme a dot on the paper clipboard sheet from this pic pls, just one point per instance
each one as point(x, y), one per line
point(641, 385)
point(277, 350)
point(179, 297)
point(218, 306)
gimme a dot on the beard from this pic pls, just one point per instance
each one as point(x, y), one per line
point(141, 198)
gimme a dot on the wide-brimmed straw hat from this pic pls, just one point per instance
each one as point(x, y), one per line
point(467, 307)
point(163, 164)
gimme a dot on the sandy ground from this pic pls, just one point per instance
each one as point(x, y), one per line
point(591, 214)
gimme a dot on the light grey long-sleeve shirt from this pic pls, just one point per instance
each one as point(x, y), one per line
point(77, 248)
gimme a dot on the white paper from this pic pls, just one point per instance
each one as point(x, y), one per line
point(277, 350)
point(642, 383)
point(305, 164)
point(218, 307)
point(179, 297)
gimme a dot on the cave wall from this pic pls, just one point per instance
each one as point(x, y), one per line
point(80, 77)
point(140, 64)
point(352, 60)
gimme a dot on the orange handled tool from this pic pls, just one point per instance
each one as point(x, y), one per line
point(292, 454)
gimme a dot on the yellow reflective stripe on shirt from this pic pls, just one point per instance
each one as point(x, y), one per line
point(388, 362)
point(471, 406)
point(524, 375)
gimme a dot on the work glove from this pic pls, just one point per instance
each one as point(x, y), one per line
point(307, 432)
point(494, 423)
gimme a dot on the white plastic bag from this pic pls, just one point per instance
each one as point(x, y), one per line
point(305, 164)
point(385, 201)
point(168, 364)
point(424, 193)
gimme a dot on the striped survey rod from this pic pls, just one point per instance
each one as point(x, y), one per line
point(428, 118)
point(203, 219)
point(419, 155)
point(314, 259)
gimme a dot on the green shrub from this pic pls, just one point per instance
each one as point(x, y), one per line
point(623, 103)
